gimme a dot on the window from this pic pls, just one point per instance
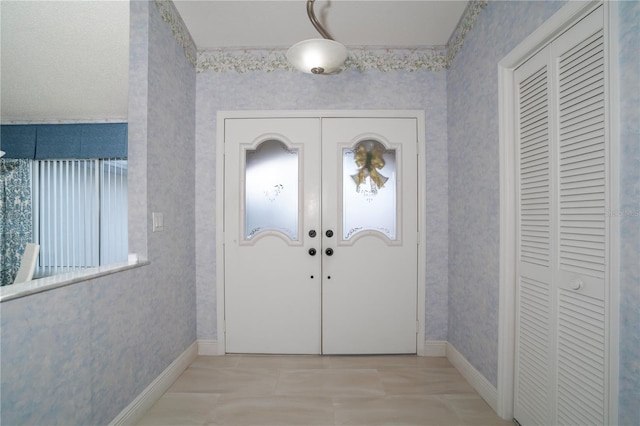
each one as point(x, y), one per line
point(271, 190)
point(79, 213)
point(73, 203)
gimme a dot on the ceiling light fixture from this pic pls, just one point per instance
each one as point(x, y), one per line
point(317, 55)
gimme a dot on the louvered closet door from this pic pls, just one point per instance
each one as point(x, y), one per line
point(581, 267)
point(534, 292)
point(562, 320)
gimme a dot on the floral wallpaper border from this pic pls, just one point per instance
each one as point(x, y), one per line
point(465, 25)
point(172, 17)
point(360, 58)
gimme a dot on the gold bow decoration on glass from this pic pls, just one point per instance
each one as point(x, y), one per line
point(369, 160)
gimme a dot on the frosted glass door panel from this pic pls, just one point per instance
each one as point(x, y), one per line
point(271, 190)
point(369, 198)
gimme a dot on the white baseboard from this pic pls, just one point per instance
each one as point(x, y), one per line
point(143, 402)
point(208, 348)
point(487, 391)
point(435, 348)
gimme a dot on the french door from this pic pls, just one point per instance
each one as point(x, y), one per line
point(320, 238)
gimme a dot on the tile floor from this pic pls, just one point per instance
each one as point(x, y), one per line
point(321, 390)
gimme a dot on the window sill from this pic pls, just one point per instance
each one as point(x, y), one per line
point(16, 291)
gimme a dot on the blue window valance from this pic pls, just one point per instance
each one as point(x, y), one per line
point(59, 141)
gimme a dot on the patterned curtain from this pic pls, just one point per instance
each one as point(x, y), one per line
point(15, 215)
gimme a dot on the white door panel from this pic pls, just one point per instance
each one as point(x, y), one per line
point(272, 285)
point(370, 282)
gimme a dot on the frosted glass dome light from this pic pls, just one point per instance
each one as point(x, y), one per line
point(317, 56)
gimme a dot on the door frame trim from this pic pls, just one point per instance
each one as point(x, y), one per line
point(418, 115)
point(551, 29)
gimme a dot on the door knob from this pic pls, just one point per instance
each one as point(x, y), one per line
point(576, 284)
point(312, 233)
point(329, 252)
point(312, 251)
point(329, 233)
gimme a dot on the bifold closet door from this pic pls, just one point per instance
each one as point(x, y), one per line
point(562, 293)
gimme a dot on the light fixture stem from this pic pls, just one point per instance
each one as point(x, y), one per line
point(318, 26)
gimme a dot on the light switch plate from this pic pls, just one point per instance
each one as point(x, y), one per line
point(158, 221)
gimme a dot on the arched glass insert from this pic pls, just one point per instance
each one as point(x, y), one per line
point(271, 190)
point(369, 193)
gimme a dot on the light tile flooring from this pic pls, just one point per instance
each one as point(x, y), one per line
point(321, 390)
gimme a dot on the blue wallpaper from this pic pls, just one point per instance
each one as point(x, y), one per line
point(474, 186)
point(629, 212)
point(137, 147)
point(351, 89)
point(78, 355)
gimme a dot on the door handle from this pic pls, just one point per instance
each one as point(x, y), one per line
point(576, 284)
point(312, 251)
point(329, 252)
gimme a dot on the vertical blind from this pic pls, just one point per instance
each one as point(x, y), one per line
point(79, 188)
point(79, 213)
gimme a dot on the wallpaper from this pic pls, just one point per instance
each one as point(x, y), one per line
point(78, 355)
point(474, 186)
point(96, 345)
point(629, 212)
point(15, 216)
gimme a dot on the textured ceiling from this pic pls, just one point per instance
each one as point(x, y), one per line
point(64, 60)
point(68, 60)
